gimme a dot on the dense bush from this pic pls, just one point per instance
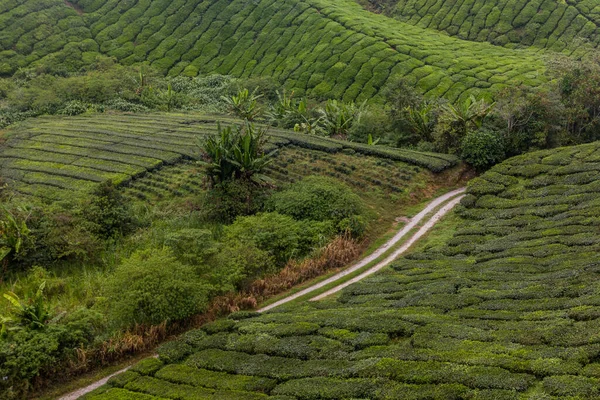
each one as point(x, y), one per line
point(318, 199)
point(482, 148)
point(230, 199)
point(26, 354)
point(279, 235)
point(151, 287)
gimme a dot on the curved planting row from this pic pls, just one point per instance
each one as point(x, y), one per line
point(291, 164)
point(507, 309)
point(318, 47)
point(50, 157)
point(541, 23)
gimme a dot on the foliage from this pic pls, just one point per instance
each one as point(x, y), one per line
point(30, 313)
point(109, 211)
point(373, 122)
point(192, 246)
point(279, 235)
point(318, 199)
point(236, 155)
point(229, 199)
point(244, 104)
point(578, 88)
point(457, 120)
point(530, 120)
point(506, 307)
point(151, 287)
point(340, 52)
point(482, 148)
point(74, 107)
point(337, 118)
point(15, 236)
point(29, 353)
point(289, 112)
point(422, 121)
point(542, 25)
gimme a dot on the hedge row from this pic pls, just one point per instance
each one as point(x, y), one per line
point(540, 23)
point(291, 41)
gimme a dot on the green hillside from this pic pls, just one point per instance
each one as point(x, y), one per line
point(506, 309)
point(54, 157)
point(548, 24)
point(318, 47)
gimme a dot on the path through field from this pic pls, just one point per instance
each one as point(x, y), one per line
point(442, 204)
point(449, 200)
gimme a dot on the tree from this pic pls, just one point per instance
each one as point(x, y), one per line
point(530, 119)
point(579, 88)
point(237, 154)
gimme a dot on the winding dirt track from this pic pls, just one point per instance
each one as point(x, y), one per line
point(447, 201)
point(375, 255)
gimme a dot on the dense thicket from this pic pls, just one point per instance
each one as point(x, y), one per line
point(506, 309)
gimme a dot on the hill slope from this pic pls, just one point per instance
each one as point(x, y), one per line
point(56, 157)
point(322, 47)
point(507, 309)
point(546, 24)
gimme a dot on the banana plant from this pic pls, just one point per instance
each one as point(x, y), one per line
point(237, 154)
point(421, 120)
point(372, 142)
point(31, 313)
point(244, 104)
point(337, 118)
point(13, 232)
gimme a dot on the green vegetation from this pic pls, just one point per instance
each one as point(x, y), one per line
point(156, 249)
point(134, 210)
point(558, 26)
point(506, 308)
point(53, 157)
point(316, 47)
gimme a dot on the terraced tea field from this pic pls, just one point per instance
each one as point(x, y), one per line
point(506, 309)
point(362, 173)
point(541, 23)
point(325, 48)
point(56, 157)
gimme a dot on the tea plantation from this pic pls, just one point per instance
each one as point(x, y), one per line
point(323, 48)
point(55, 157)
point(542, 23)
point(506, 309)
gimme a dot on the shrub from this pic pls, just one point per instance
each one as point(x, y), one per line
point(318, 199)
point(74, 107)
point(27, 354)
point(151, 287)
point(279, 235)
point(230, 199)
point(192, 246)
point(482, 148)
point(238, 262)
point(109, 211)
point(174, 351)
